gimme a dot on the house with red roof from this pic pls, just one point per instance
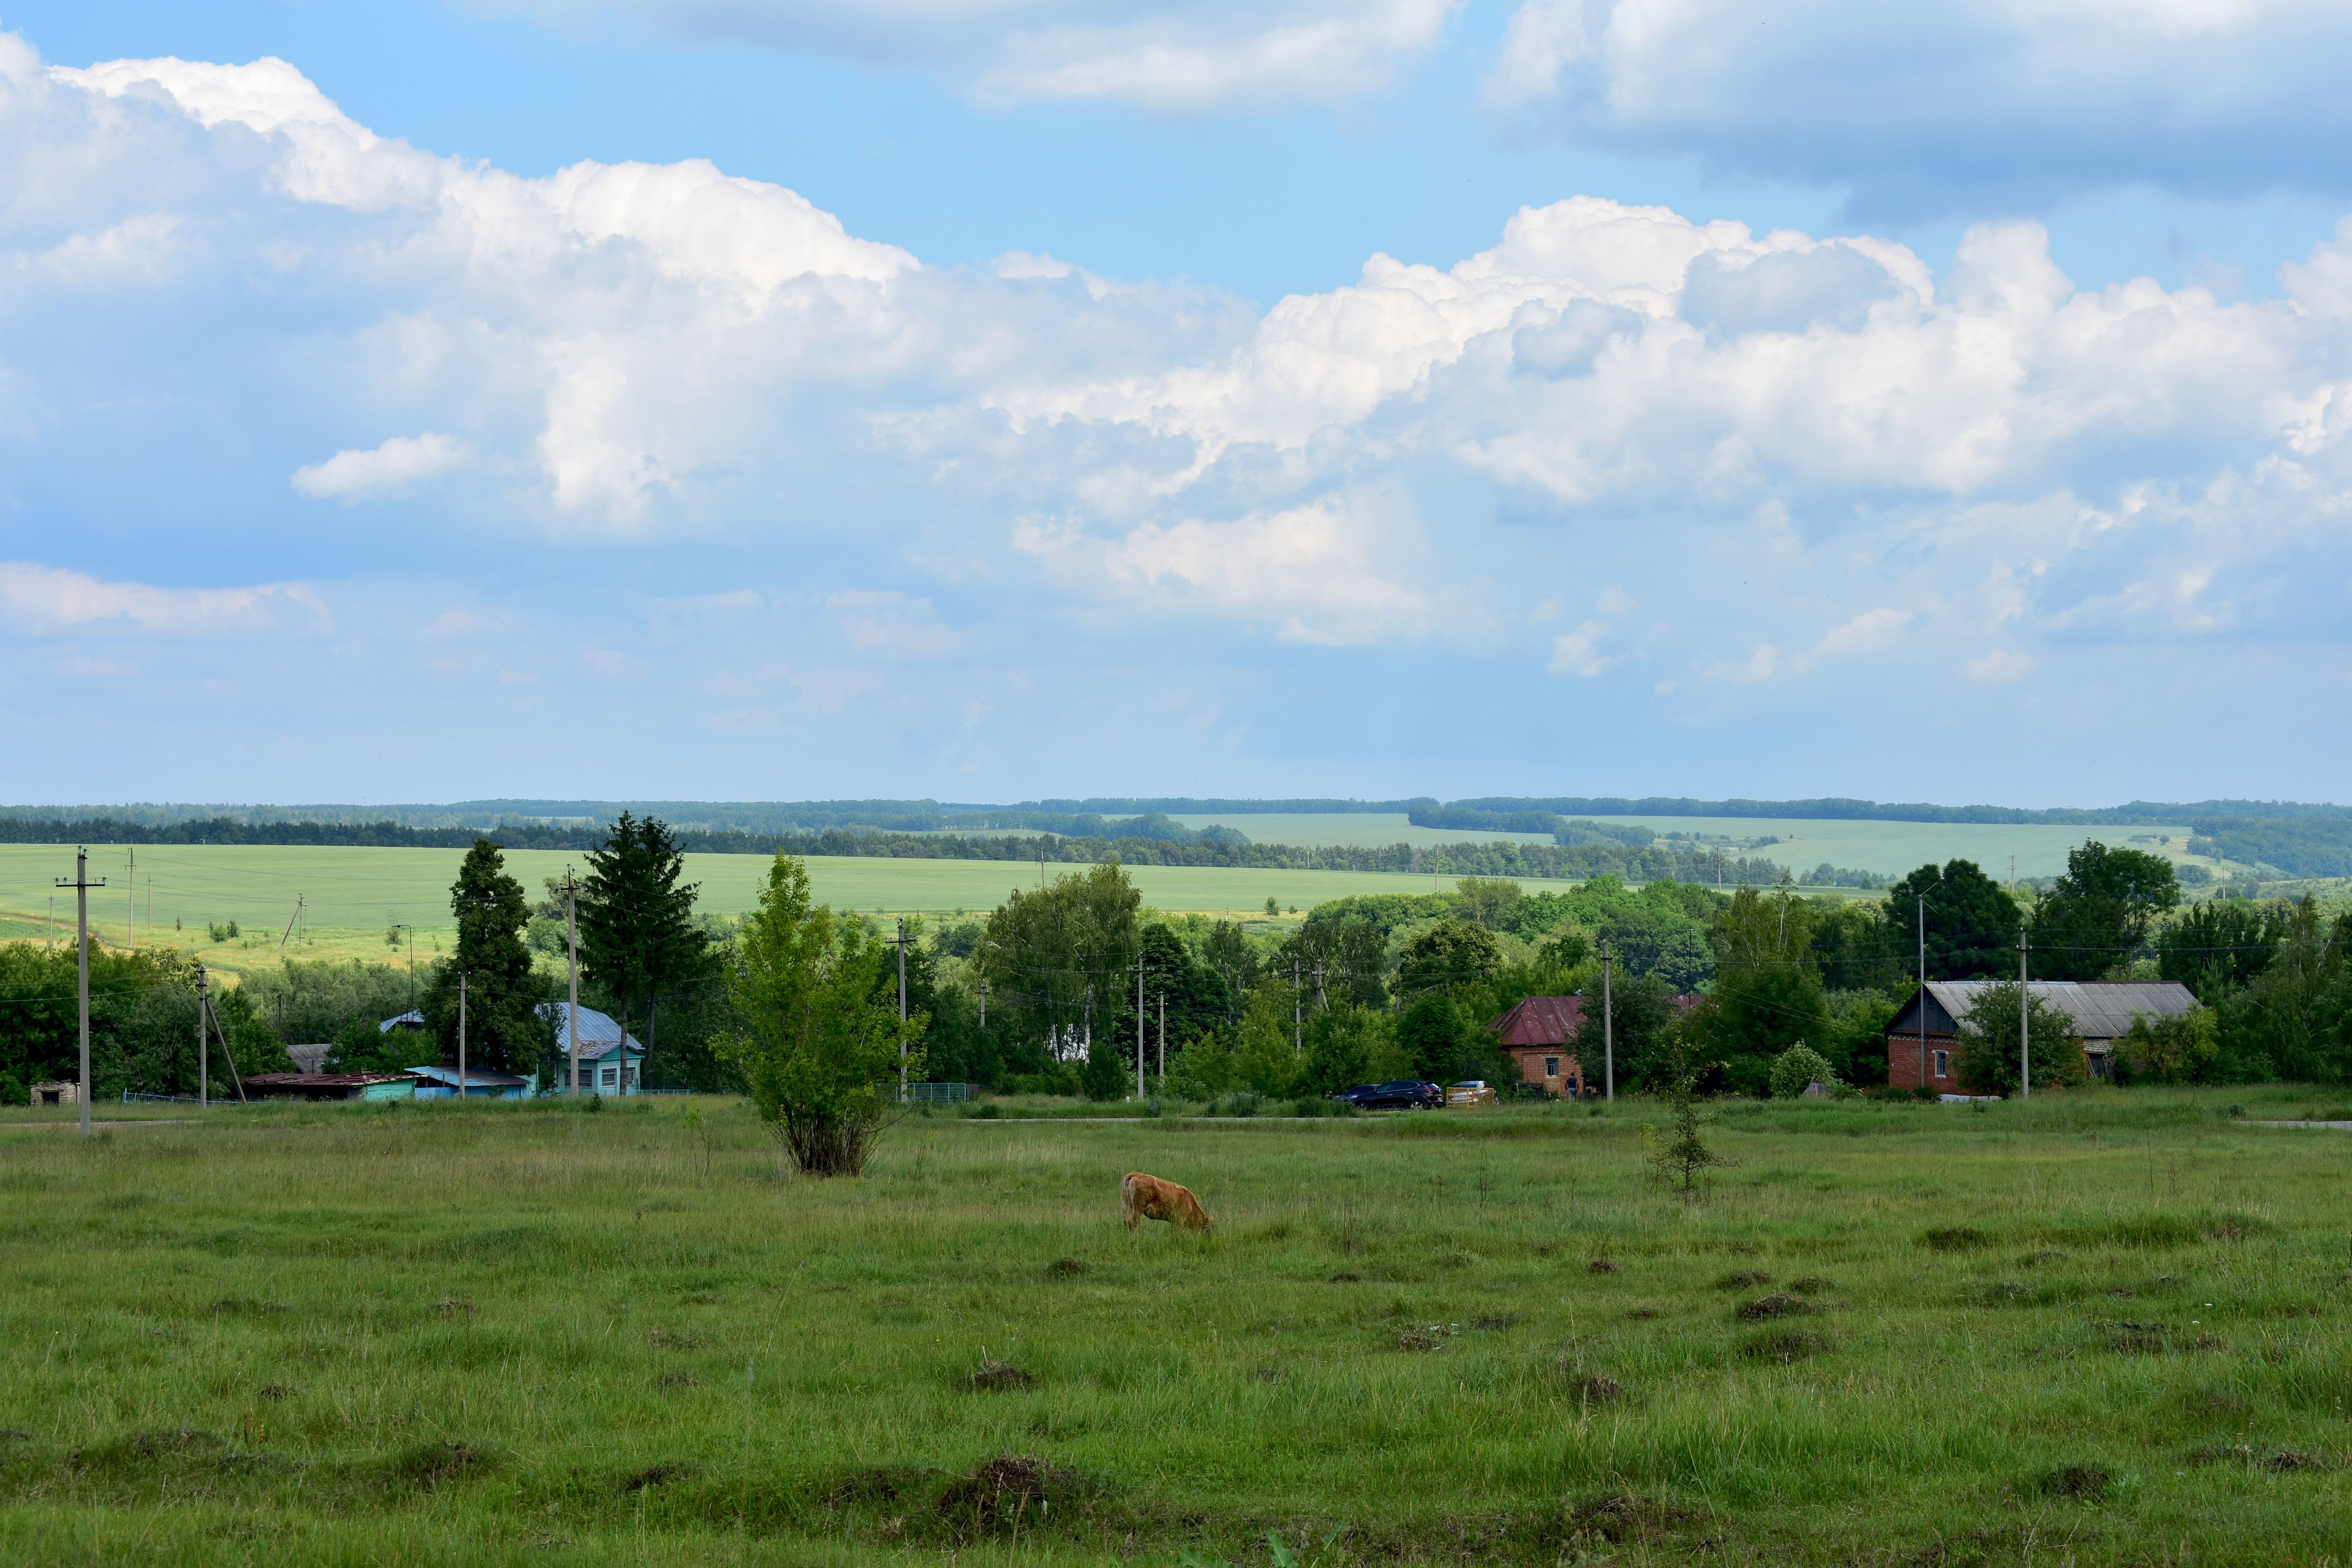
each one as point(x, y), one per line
point(1540, 1036)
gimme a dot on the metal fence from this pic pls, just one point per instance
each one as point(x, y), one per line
point(939, 1093)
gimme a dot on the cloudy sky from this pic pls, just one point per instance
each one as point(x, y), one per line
point(986, 399)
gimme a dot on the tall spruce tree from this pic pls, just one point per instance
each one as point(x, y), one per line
point(503, 1032)
point(637, 933)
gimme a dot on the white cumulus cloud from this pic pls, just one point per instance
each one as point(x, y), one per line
point(46, 600)
point(402, 460)
point(1927, 108)
point(1160, 54)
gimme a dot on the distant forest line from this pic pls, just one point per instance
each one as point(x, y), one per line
point(1654, 862)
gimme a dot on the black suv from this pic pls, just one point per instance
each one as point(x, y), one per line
point(1401, 1094)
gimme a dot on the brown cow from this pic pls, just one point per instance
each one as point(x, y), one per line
point(1148, 1197)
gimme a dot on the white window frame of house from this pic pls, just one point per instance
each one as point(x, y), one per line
point(1943, 1064)
point(1551, 1067)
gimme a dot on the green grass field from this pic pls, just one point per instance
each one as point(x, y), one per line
point(1893, 848)
point(2104, 1329)
point(355, 894)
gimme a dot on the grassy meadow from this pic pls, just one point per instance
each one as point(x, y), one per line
point(2104, 1328)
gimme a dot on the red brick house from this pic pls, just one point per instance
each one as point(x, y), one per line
point(1540, 1034)
point(2103, 1011)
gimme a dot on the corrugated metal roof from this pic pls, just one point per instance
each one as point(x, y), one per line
point(600, 1034)
point(475, 1077)
point(1544, 1021)
point(2102, 1009)
point(319, 1079)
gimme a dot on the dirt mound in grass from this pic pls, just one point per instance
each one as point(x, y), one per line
point(1009, 1493)
point(999, 1377)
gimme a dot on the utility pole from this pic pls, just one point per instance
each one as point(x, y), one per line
point(82, 885)
point(902, 1009)
point(204, 1013)
point(1322, 1002)
point(1608, 1031)
point(1163, 1039)
point(984, 1004)
point(571, 947)
point(130, 925)
point(1298, 1014)
point(203, 1045)
point(2024, 1027)
point(297, 915)
point(1138, 1025)
point(461, 1037)
point(1923, 985)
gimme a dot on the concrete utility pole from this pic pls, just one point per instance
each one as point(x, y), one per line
point(82, 885)
point(1138, 1027)
point(2024, 1027)
point(1322, 1002)
point(204, 1013)
point(571, 947)
point(1608, 1031)
point(1298, 1014)
point(290, 921)
point(902, 1009)
point(983, 1003)
point(1163, 1039)
point(461, 1035)
point(1923, 987)
point(130, 924)
point(203, 1045)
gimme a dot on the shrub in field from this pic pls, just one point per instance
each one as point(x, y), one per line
point(1988, 1044)
point(1798, 1067)
point(2172, 1050)
point(819, 1051)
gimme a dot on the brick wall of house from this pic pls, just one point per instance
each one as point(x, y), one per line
point(1568, 1080)
point(1903, 1063)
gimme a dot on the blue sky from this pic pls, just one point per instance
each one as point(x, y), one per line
point(995, 398)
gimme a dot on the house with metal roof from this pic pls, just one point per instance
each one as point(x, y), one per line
point(441, 1083)
point(1539, 1033)
point(1923, 1040)
point(610, 1061)
point(329, 1084)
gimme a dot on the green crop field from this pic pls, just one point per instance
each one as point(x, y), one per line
point(354, 896)
point(1894, 847)
point(2106, 1328)
point(1349, 830)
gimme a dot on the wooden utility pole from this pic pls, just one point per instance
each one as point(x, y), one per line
point(82, 885)
point(1608, 1035)
point(297, 915)
point(571, 946)
point(2024, 1026)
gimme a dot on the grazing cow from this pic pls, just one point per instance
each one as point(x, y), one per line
point(1148, 1197)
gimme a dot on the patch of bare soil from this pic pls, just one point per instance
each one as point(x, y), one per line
point(997, 1376)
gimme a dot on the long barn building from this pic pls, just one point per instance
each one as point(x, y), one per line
point(2103, 1011)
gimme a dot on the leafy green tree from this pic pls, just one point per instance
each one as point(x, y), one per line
point(1268, 1061)
point(1855, 945)
point(503, 1032)
point(1986, 1058)
point(637, 930)
point(1684, 1158)
point(1205, 1068)
point(2296, 1018)
point(1857, 1041)
point(2093, 920)
point(1768, 992)
point(955, 1048)
point(1454, 954)
point(1059, 962)
point(1229, 955)
point(1568, 947)
point(1194, 992)
point(1646, 1026)
point(1431, 1033)
point(1647, 938)
point(819, 1053)
point(1972, 923)
point(1488, 901)
point(1342, 1045)
point(1351, 954)
point(2219, 947)
point(2182, 1049)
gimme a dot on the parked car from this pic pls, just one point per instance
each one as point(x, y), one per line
point(1470, 1091)
point(1398, 1094)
